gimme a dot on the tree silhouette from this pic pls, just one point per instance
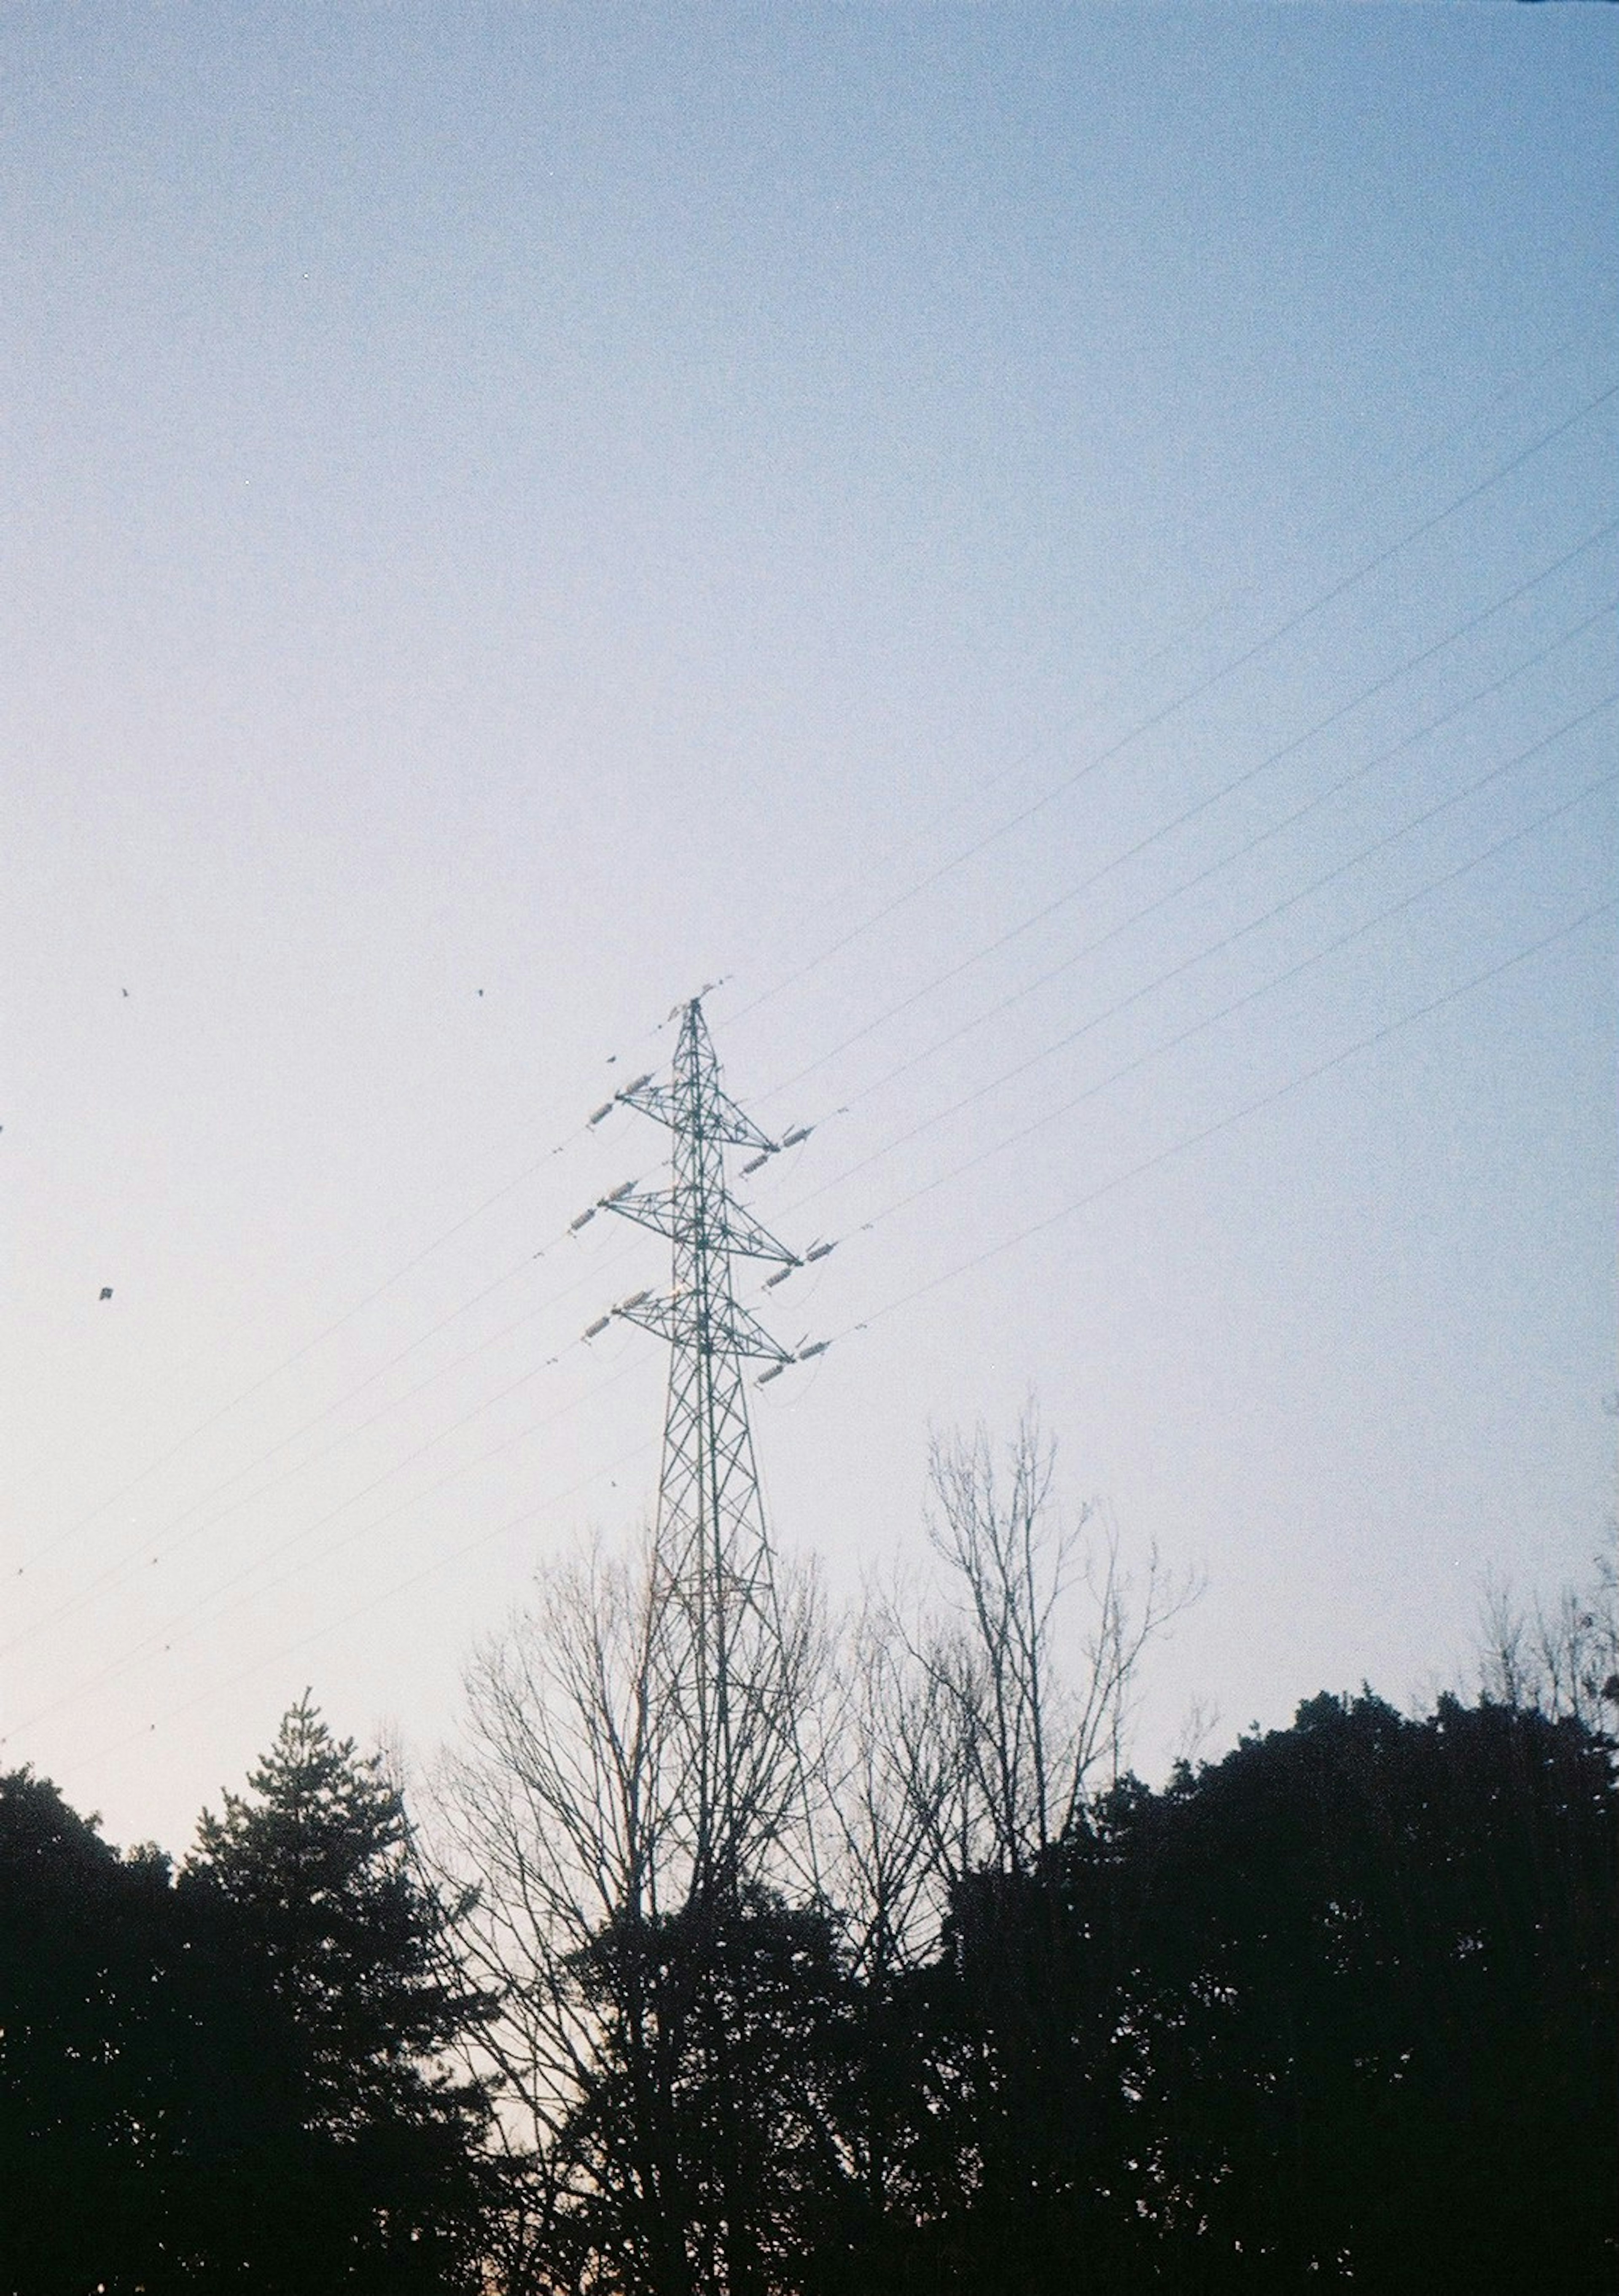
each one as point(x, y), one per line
point(376, 2181)
point(1336, 2010)
point(703, 2157)
point(1378, 2006)
point(138, 2065)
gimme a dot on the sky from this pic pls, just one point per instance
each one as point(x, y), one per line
point(1062, 557)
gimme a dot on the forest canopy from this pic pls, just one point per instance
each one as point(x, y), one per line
point(969, 2008)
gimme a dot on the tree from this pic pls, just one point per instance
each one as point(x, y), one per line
point(570, 1804)
point(639, 2002)
point(376, 2181)
point(1382, 2000)
point(703, 2153)
point(141, 2062)
point(81, 2105)
point(1023, 1703)
point(1336, 2010)
point(1557, 1659)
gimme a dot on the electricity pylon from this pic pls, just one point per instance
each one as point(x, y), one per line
point(729, 1664)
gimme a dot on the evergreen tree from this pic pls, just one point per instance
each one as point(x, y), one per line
point(1336, 2010)
point(377, 2182)
point(139, 2056)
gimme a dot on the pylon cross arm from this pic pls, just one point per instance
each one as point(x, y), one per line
point(662, 1316)
point(744, 1335)
point(748, 1239)
point(656, 1101)
point(730, 1330)
point(722, 1118)
point(647, 1208)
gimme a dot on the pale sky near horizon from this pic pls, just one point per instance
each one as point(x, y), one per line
point(515, 513)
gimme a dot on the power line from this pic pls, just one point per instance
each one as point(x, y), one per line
point(1239, 1004)
point(893, 1307)
point(194, 1612)
point(478, 1211)
point(1249, 773)
point(901, 1203)
point(1192, 693)
point(994, 1084)
point(714, 1553)
point(1225, 1124)
point(1188, 629)
point(306, 1347)
point(121, 1568)
point(349, 1315)
point(364, 1609)
point(999, 1083)
point(1444, 804)
point(561, 1238)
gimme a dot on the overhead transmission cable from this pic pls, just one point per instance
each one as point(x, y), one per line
point(1249, 773)
point(1210, 1019)
point(1194, 693)
point(363, 1610)
point(211, 1602)
point(1182, 630)
point(1066, 1211)
point(307, 1346)
point(349, 1314)
point(1225, 1123)
point(147, 1553)
point(994, 1084)
point(121, 1568)
point(1242, 852)
point(118, 1568)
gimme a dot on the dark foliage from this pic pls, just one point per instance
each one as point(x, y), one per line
point(1339, 2009)
point(229, 2082)
point(141, 2065)
point(377, 2163)
point(1336, 2010)
point(707, 2153)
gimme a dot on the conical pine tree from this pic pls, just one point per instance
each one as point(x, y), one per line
point(357, 1949)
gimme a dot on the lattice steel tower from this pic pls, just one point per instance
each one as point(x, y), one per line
point(728, 1660)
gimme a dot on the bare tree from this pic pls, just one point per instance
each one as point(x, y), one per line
point(1025, 1706)
point(1561, 1656)
point(883, 1774)
point(560, 1806)
point(570, 1805)
point(870, 1771)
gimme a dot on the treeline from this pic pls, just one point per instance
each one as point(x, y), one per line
point(237, 2076)
point(942, 1999)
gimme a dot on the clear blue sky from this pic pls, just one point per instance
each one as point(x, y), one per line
point(515, 513)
